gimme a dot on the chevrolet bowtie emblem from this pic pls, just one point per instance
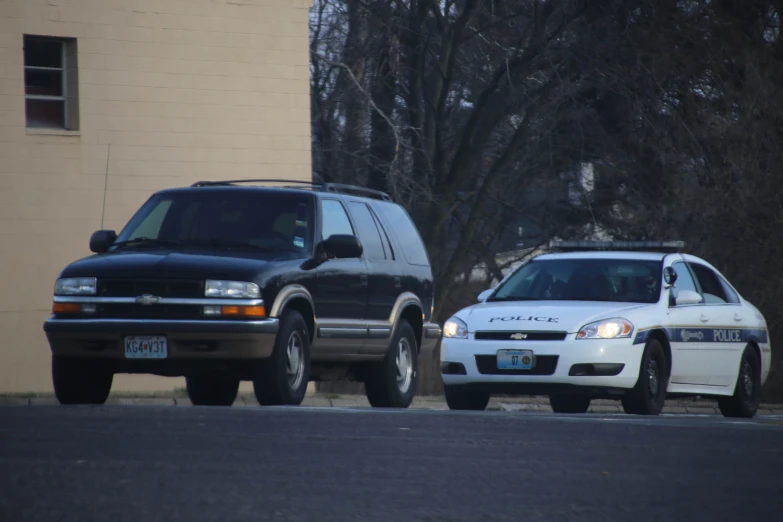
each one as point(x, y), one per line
point(147, 299)
point(518, 336)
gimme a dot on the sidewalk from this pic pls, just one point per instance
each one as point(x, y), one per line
point(539, 404)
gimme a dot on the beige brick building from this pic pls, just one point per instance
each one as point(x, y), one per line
point(103, 102)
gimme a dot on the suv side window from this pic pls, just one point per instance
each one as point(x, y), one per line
point(710, 285)
point(684, 279)
point(406, 233)
point(335, 219)
point(368, 232)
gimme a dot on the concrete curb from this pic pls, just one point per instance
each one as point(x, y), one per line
point(508, 404)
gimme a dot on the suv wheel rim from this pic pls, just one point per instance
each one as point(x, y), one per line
point(652, 377)
point(404, 362)
point(295, 360)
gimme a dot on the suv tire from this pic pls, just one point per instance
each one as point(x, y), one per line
point(212, 389)
point(392, 383)
point(77, 381)
point(283, 378)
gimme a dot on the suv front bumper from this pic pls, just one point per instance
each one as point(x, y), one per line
point(186, 339)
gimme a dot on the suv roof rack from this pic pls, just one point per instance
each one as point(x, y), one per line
point(657, 246)
point(326, 187)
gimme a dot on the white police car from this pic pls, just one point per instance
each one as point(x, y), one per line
point(608, 320)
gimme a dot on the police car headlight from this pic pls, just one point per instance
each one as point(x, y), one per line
point(606, 329)
point(455, 328)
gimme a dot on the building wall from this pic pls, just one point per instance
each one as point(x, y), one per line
point(169, 92)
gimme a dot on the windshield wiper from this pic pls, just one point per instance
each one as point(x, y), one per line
point(512, 298)
point(229, 243)
point(146, 241)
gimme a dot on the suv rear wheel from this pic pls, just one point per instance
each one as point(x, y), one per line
point(212, 389)
point(283, 378)
point(392, 383)
point(77, 381)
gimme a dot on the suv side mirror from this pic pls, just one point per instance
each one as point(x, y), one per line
point(687, 297)
point(483, 295)
point(343, 246)
point(101, 240)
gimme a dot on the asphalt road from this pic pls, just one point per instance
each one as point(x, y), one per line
point(142, 464)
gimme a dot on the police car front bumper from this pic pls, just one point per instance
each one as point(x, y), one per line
point(587, 366)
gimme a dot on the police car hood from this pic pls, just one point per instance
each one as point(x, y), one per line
point(548, 316)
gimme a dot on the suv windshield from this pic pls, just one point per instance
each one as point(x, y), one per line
point(617, 280)
point(269, 221)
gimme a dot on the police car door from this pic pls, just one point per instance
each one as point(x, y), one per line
point(691, 364)
point(725, 335)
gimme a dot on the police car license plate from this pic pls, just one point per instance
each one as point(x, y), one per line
point(515, 359)
point(146, 348)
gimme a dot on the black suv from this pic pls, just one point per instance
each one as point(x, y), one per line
point(227, 281)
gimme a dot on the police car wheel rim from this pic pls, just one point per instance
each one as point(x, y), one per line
point(404, 365)
point(747, 378)
point(652, 377)
point(295, 360)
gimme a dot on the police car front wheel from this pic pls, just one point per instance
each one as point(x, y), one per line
point(458, 398)
point(649, 394)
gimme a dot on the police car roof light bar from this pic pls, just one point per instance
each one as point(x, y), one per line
point(655, 246)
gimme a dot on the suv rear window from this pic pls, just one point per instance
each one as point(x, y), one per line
point(273, 221)
point(406, 232)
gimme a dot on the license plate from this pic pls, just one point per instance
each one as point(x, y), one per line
point(146, 348)
point(515, 359)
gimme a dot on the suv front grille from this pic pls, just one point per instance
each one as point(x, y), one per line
point(134, 311)
point(526, 336)
point(182, 288)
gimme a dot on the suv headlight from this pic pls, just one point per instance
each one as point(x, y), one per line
point(234, 289)
point(455, 328)
point(606, 329)
point(76, 286)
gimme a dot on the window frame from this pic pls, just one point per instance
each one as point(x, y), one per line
point(722, 283)
point(68, 82)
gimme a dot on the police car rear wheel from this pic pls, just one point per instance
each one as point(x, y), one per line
point(745, 401)
point(649, 394)
point(569, 403)
point(458, 398)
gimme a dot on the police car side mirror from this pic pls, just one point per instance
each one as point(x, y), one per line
point(669, 276)
point(483, 295)
point(687, 297)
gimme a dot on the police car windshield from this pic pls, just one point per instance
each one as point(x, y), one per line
point(613, 280)
point(260, 221)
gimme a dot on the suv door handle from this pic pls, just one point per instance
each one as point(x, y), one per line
point(397, 282)
point(737, 317)
point(704, 318)
point(363, 279)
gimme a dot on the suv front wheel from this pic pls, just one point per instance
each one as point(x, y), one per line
point(283, 378)
point(78, 381)
point(392, 383)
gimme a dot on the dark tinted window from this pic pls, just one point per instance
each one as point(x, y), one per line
point(335, 220)
point(263, 220)
point(368, 232)
point(731, 295)
point(406, 233)
point(619, 280)
point(710, 285)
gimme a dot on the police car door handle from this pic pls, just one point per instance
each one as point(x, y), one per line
point(737, 317)
point(704, 318)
